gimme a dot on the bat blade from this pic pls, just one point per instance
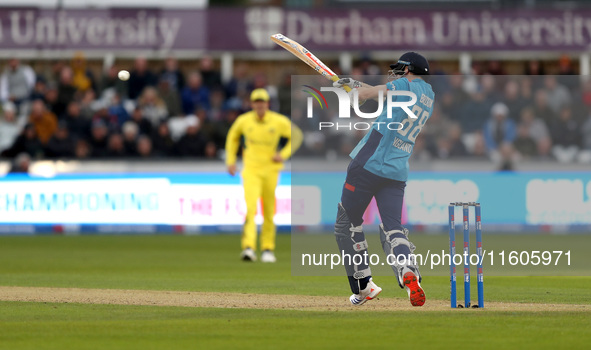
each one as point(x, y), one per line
point(306, 56)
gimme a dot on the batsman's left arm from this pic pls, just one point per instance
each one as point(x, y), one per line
point(294, 140)
point(368, 92)
point(365, 91)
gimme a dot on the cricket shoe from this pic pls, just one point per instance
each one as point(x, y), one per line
point(268, 257)
point(370, 292)
point(248, 255)
point(416, 294)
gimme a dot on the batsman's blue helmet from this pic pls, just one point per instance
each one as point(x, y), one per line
point(416, 63)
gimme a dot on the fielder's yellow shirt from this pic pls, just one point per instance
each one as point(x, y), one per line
point(261, 138)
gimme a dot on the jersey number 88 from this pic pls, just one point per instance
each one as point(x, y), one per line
point(407, 124)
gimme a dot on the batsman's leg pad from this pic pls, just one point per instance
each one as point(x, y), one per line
point(352, 244)
point(396, 244)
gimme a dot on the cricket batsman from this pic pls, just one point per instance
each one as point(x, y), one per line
point(262, 130)
point(380, 169)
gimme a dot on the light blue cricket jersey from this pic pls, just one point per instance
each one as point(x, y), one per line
point(385, 152)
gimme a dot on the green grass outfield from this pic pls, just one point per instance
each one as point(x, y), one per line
point(210, 264)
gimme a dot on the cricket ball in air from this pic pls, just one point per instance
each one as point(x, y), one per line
point(123, 75)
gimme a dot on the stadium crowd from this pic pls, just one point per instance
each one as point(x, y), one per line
point(72, 114)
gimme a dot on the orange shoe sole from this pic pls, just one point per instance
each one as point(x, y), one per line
point(417, 294)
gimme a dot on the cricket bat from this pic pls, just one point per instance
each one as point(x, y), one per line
point(303, 54)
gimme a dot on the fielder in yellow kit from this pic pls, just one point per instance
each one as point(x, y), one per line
point(262, 130)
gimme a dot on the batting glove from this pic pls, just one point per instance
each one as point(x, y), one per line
point(352, 83)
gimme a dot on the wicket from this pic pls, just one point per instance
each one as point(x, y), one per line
point(466, 254)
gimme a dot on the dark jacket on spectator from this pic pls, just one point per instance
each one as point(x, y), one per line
point(193, 99)
point(191, 145)
point(65, 94)
point(566, 133)
point(162, 145)
point(137, 82)
point(60, 147)
point(26, 142)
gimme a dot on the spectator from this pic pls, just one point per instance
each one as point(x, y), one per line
point(111, 81)
point(44, 121)
point(526, 90)
point(215, 131)
point(130, 135)
point(56, 69)
point(144, 146)
point(494, 67)
point(535, 68)
point(192, 143)
point(61, 144)
point(21, 164)
point(65, 91)
point(566, 137)
point(524, 143)
point(565, 70)
point(211, 150)
point(82, 78)
point(117, 110)
point(240, 85)
point(513, 100)
point(558, 95)
point(419, 153)
point(50, 98)
point(454, 98)
point(507, 157)
point(472, 113)
point(586, 92)
point(212, 78)
point(162, 142)
point(284, 94)
point(116, 147)
point(26, 142)
point(488, 86)
point(145, 127)
point(536, 130)
point(39, 90)
point(194, 95)
point(88, 104)
point(172, 75)
point(542, 109)
point(499, 128)
point(10, 126)
point(152, 106)
point(217, 108)
point(79, 127)
point(479, 146)
point(109, 120)
point(16, 82)
point(456, 147)
point(99, 135)
point(586, 133)
point(140, 77)
point(170, 97)
point(82, 149)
